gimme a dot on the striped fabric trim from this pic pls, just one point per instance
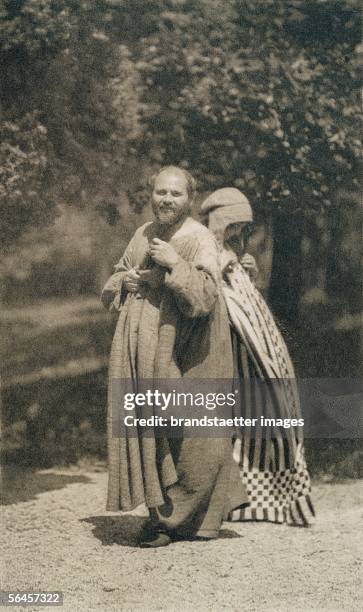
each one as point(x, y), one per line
point(272, 462)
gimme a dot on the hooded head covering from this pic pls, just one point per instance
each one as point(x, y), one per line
point(224, 207)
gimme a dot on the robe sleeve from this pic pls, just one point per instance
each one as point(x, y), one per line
point(113, 294)
point(195, 284)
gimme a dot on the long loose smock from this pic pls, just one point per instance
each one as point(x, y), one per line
point(175, 326)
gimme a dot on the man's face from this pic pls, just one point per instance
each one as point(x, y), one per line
point(170, 198)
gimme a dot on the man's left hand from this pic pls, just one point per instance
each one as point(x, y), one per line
point(163, 253)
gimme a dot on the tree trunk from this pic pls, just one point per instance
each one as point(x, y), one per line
point(287, 267)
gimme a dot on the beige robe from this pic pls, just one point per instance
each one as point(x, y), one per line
point(176, 326)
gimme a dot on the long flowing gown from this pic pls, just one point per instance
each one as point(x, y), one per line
point(175, 327)
point(271, 459)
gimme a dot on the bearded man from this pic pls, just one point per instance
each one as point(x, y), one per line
point(173, 324)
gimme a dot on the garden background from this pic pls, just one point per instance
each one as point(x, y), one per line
point(96, 94)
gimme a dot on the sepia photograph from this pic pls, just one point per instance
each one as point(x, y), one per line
point(181, 305)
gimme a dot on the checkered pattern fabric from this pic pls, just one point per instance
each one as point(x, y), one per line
point(277, 496)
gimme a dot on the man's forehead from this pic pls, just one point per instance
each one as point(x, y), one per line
point(171, 178)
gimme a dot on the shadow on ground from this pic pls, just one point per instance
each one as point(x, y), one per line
point(122, 530)
point(126, 530)
point(22, 484)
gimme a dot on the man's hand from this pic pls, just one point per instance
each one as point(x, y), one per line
point(248, 262)
point(132, 280)
point(163, 253)
point(154, 278)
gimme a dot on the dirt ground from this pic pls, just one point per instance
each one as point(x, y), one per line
point(59, 537)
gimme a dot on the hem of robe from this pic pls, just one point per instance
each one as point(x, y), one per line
point(191, 516)
point(114, 506)
point(299, 512)
point(238, 503)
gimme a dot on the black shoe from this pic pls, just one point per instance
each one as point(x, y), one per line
point(155, 540)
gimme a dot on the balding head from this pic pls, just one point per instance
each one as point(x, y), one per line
point(190, 180)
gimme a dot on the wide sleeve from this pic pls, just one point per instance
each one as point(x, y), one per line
point(113, 293)
point(195, 283)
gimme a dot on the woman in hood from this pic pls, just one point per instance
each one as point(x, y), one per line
point(270, 454)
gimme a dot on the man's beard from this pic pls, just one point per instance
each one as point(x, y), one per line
point(168, 215)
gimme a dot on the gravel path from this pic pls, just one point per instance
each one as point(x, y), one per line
point(59, 537)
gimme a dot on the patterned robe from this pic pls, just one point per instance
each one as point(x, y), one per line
point(271, 459)
point(175, 326)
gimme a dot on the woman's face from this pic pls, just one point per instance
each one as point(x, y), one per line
point(234, 238)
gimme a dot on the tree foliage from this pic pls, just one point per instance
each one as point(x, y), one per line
point(66, 111)
point(23, 163)
point(262, 95)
